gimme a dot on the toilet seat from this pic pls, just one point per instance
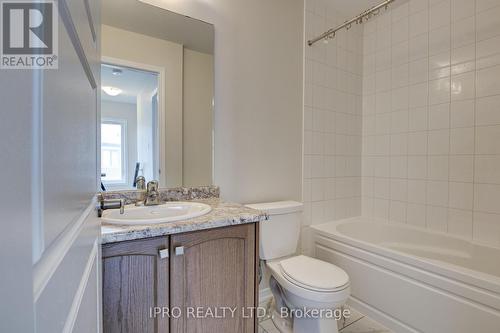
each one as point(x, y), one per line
point(314, 274)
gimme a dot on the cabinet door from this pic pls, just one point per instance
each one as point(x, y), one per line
point(213, 269)
point(135, 280)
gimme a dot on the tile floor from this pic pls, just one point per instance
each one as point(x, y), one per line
point(357, 323)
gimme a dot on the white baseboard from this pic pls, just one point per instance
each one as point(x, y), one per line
point(264, 296)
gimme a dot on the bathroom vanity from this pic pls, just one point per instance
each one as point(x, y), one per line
point(180, 276)
point(172, 267)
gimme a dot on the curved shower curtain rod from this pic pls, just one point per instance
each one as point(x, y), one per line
point(347, 24)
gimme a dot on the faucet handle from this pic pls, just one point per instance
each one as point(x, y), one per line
point(152, 186)
point(122, 206)
point(152, 194)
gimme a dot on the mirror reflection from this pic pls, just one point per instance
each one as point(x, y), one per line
point(129, 129)
point(156, 97)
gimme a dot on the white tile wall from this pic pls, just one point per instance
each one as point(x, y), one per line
point(431, 116)
point(332, 118)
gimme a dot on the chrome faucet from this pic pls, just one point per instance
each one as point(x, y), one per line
point(152, 194)
point(104, 204)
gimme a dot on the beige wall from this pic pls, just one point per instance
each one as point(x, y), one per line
point(145, 146)
point(116, 43)
point(197, 115)
point(258, 95)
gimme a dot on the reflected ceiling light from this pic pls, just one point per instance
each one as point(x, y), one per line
point(112, 91)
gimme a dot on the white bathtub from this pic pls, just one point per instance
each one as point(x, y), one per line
point(413, 280)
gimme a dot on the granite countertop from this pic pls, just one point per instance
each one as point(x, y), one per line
point(222, 214)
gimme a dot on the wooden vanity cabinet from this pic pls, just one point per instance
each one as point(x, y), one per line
point(213, 269)
point(205, 270)
point(135, 280)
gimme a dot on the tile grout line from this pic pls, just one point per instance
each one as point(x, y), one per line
point(428, 110)
point(408, 122)
point(452, 23)
point(475, 124)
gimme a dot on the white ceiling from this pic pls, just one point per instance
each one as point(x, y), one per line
point(131, 81)
point(136, 16)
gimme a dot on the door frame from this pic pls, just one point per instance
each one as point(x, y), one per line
point(162, 125)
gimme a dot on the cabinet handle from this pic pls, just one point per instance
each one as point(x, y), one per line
point(164, 253)
point(179, 250)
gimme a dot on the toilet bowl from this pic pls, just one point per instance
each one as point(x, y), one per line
point(308, 292)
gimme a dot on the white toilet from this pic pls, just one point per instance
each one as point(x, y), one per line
point(298, 282)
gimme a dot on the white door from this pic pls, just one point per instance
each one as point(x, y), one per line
point(49, 242)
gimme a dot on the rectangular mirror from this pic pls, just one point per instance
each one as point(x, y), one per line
point(157, 96)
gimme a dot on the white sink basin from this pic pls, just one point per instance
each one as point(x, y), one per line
point(167, 212)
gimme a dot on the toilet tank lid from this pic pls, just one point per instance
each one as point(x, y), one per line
point(278, 207)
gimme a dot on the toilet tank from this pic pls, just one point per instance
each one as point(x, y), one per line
point(279, 235)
